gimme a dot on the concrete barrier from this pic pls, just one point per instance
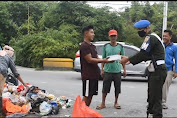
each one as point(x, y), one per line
point(58, 64)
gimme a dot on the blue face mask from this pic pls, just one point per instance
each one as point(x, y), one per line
point(142, 33)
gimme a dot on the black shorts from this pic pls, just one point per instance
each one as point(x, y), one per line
point(90, 87)
point(107, 81)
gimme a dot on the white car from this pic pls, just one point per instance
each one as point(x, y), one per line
point(130, 50)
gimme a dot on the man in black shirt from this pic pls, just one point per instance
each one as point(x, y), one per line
point(89, 65)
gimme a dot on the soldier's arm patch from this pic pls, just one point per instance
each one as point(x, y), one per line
point(146, 46)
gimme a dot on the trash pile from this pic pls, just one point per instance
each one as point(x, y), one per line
point(19, 100)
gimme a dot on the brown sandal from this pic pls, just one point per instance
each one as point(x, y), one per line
point(100, 107)
point(117, 106)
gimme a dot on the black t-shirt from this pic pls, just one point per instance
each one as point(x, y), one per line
point(89, 71)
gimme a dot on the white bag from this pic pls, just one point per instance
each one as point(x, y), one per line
point(45, 108)
point(6, 95)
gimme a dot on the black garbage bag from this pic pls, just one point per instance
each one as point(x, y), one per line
point(36, 103)
point(33, 88)
point(12, 79)
point(55, 110)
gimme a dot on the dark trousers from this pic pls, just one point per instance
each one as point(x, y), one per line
point(1, 106)
point(155, 84)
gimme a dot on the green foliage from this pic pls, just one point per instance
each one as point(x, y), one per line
point(7, 28)
point(55, 27)
point(80, 15)
point(32, 49)
point(132, 35)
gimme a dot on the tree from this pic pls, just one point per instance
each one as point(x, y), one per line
point(55, 27)
point(7, 27)
point(148, 11)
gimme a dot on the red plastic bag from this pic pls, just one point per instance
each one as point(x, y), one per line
point(80, 109)
point(21, 87)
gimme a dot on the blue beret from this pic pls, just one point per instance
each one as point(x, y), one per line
point(142, 24)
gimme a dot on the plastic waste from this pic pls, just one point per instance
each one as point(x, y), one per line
point(33, 96)
point(67, 115)
point(12, 88)
point(63, 97)
point(51, 96)
point(20, 88)
point(12, 108)
point(5, 89)
point(68, 105)
point(41, 94)
point(5, 85)
point(55, 107)
point(26, 108)
point(23, 93)
point(45, 108)
point(22, 100)
point(62, 102)
point(54, 103)
point(14, 98)
point(64, 107)
point(36, 104)
point(6, 95)
point(28, 96)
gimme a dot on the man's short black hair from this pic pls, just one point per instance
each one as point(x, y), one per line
point(87, 28)
point(169, 32)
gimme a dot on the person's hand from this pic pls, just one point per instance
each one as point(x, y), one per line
point(175, 75)
point(124, 73)
point(26, 86)
point(128, 63)
point(102, 73)
point(124, 60)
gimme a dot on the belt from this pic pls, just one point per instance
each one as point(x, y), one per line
point(160, 62)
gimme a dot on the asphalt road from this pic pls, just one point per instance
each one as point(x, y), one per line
point(68, 83)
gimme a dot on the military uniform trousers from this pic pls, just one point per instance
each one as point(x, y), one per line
point(155, 84)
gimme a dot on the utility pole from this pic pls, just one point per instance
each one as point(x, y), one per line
point(165, 16)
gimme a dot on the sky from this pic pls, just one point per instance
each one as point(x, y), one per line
point(116, 5)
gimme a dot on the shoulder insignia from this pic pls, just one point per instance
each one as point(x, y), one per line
point(146, 39)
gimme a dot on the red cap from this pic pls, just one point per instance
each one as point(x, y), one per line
point(112, 32)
